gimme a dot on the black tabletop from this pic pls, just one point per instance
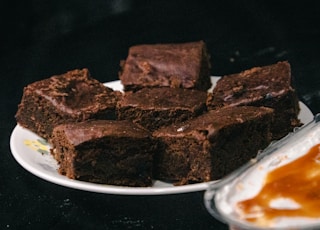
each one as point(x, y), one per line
point(43, 38)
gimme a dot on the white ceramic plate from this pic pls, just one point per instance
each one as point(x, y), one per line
point(32, 152)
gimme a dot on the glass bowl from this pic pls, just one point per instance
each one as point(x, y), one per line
point(275, 190)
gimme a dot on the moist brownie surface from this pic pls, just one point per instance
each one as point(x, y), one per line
point(268, 86)
point(155, 107)
point(102, 151)
point(212, 145)
point(73, 96)
point(78, 133)
point(184, 65)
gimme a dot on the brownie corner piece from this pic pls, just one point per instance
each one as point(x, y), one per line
point(179, 65)
point(270, 86)
point(104, 151)
point(211, 145)
point(72, 96)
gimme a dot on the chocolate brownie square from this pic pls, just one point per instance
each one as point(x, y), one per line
point(73, 96)
point(104, 151)
point(156, 107)
point(211, 145)
point(269, 86)
point(181, 65)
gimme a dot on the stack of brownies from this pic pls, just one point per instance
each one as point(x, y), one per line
point(165, 125)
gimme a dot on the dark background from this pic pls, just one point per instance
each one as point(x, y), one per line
point(42, 38)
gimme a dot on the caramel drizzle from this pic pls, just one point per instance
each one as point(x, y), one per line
point(298, 181)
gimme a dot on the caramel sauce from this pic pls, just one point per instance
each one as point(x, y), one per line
point(298, 181)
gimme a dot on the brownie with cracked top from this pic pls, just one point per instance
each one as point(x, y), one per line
point(104, 151)
point(269, 86)
point(156, 107)
point(211, 145)
point(72, 96)
point(180, 65)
